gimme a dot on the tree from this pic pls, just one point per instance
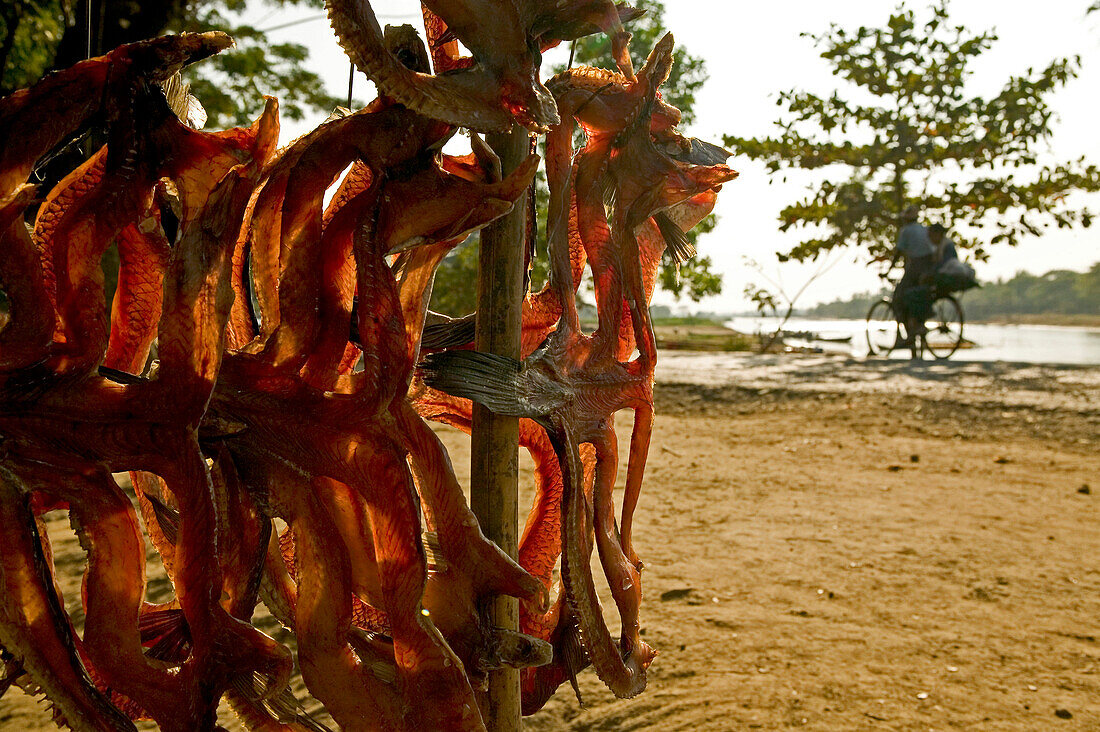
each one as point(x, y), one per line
point(780, 302)
point(911, 134)
point(231, 85)
point(26, 28)
point(39, 35)
point(455, 288)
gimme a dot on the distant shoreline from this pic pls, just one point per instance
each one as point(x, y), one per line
point(1081, 321)
point(1052, 319)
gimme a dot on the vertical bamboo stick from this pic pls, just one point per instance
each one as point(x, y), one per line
point(494, 472)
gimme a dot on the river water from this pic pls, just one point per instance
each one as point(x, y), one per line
point(1009, 343)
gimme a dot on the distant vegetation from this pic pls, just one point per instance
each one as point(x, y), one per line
point(1058, 295)
point(687, 320)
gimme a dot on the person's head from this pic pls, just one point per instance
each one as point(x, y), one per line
point(936, 232)
point(910, 214)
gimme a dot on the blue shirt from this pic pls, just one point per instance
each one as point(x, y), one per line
point(913, 241)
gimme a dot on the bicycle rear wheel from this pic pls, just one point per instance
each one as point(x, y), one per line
point(944, 327)
point(882, 328)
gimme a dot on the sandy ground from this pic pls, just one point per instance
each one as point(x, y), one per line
point(843, 545)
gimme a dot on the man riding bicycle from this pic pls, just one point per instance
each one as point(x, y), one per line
point(912, 297)
point(922, 314)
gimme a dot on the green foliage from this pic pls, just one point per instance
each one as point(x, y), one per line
point(1059, 292)
point(851, 308)
point(455, 289)
point(686, 320)
point(765, 301)
point(921, 139)
point(26, 28)
point(232, 84)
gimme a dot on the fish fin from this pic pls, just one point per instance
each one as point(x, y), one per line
point(183, 103)
point(283, 705)
point(574, 656)
point(485, 378)
point(701, 152)
point(677, 245)
point(167, 517)
point(214, 427)
point(501, 384)
point(609, 192)
point(158, 622)
point(433, 551)
point(441, 335)
point(169, 634)
point(400, 263)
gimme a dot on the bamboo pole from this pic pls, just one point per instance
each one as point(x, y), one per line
point(494, 470)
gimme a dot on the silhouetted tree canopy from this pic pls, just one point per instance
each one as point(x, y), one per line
point(905, 130)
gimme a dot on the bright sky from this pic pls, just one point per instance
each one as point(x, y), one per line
point(754, 50)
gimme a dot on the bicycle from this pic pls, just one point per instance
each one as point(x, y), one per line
point(941, 334)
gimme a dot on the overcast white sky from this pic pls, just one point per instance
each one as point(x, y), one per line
point(753, 50)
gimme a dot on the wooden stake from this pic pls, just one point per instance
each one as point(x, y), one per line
point(494, 470)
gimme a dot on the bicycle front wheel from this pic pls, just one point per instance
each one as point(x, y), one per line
point(944, 327)
point(882, 329)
